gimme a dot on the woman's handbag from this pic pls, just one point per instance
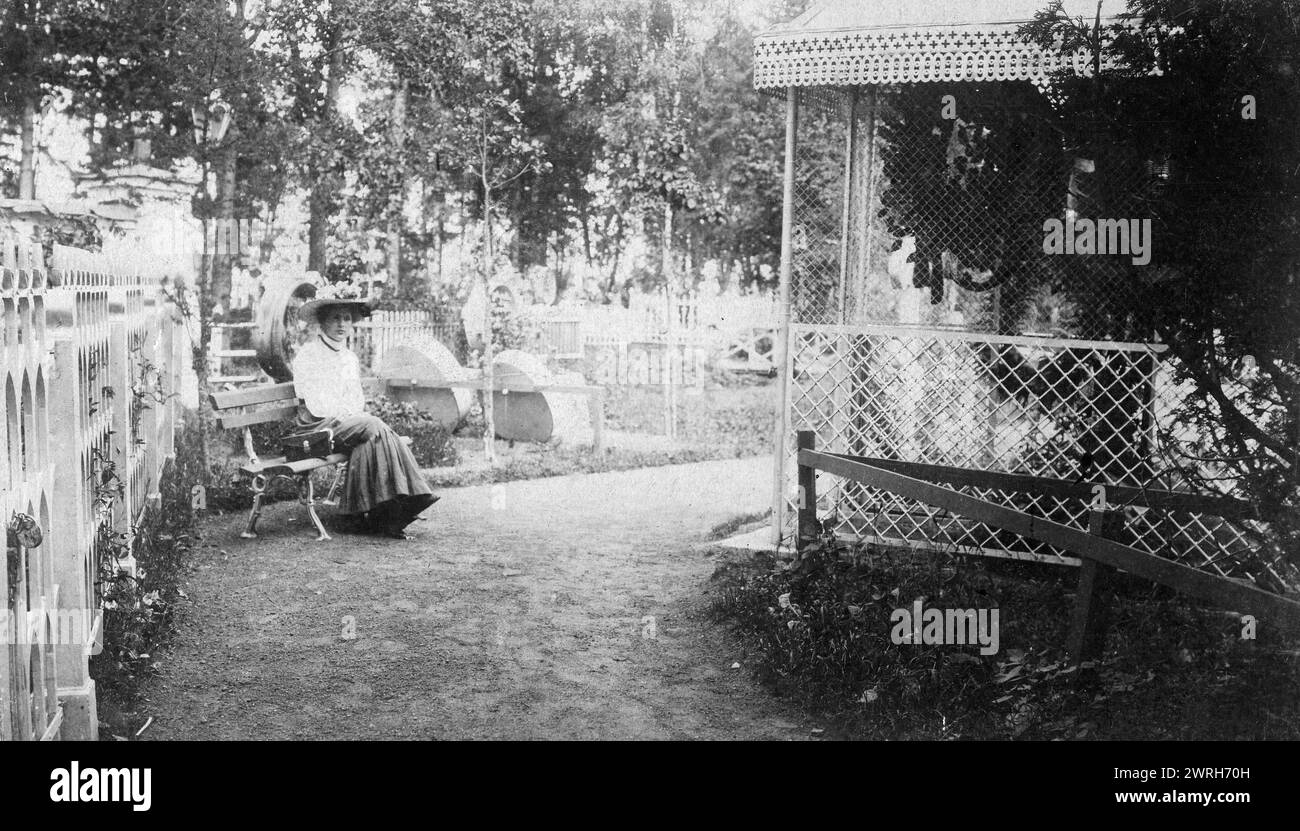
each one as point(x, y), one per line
point(314, 445)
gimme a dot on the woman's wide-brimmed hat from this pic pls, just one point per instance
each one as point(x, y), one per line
point(336, 294)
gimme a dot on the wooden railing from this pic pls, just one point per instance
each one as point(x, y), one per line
point(1100, 552)
point(91, 358)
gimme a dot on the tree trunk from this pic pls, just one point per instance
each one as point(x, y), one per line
point(439, 227)
point(199, 354)
point(322, 190)
point(223, 256)
point(670, 331)
point(489, 255)
point(613, 268)
point(586, 238)
point(560, 273)
point(27, 165)
point(397, 139)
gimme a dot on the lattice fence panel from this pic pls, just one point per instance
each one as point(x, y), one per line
point(1064, 409)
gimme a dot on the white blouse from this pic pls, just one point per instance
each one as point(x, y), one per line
point(328, 380)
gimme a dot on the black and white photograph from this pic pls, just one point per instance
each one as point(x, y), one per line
point(652, 370)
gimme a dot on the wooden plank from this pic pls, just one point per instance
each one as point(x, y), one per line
point(927, 547)
point(8, 651)
point(229, 422)
point(806, 529)
point(1089, 617)
point(263, 394)
point(52, 731)
point(233, 379)
point(501, 385)
point(1222, 506)
point(1222, 591)
point(20, 654)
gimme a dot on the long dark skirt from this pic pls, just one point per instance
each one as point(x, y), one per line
point(381, 469)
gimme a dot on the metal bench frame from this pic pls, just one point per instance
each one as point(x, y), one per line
point(272, 403)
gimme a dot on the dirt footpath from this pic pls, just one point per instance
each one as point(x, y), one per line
point(564, 608)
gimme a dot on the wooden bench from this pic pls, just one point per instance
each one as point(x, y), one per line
point(261, 405)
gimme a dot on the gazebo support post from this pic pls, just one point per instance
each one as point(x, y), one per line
point(846, 214)
point(869, 171)
point(783, 339)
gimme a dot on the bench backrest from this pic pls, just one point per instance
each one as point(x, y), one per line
point(254, 405)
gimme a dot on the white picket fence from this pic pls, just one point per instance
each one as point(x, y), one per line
point(712, 326)
point(91, 356)
point(701, 321)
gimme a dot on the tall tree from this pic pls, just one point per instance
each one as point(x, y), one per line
point(490, 142)
point(1215, 132)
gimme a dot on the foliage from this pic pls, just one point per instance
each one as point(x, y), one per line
point(973, 190)
point(430, 441)
point(731, 422)
point(1224, 203)
point(820, 634)
point(139, 610)
point(512, 329)
point(624, 101)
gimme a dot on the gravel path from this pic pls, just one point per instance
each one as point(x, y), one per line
point(564, 608)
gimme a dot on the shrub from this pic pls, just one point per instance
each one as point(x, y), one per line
point(431, 442)
point(820, 633)
point(512, 329)
point(139, 610)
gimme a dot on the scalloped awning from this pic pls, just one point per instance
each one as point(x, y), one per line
point(848, 42)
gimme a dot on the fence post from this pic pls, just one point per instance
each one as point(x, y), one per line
point(806, 534)
point(146, 430)
point(165, 361)
point(70, 536)
point(596, 403)
point(1089, 620)
point(119, 379)
point(216, 346)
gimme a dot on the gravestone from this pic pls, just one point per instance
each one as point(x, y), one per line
point(537, 416)
point(426, 362)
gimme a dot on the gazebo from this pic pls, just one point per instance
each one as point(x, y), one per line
point(923, 322)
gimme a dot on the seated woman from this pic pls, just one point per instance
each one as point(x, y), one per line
point(384, 490)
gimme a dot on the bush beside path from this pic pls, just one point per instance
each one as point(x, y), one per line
point(561, 608)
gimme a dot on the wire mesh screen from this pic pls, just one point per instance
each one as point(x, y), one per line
point(961, 295)
point(817, 234)
point(942, 219)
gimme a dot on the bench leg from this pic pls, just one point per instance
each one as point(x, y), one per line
point(331, 498)
point(308, 489)
point(258, 486)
